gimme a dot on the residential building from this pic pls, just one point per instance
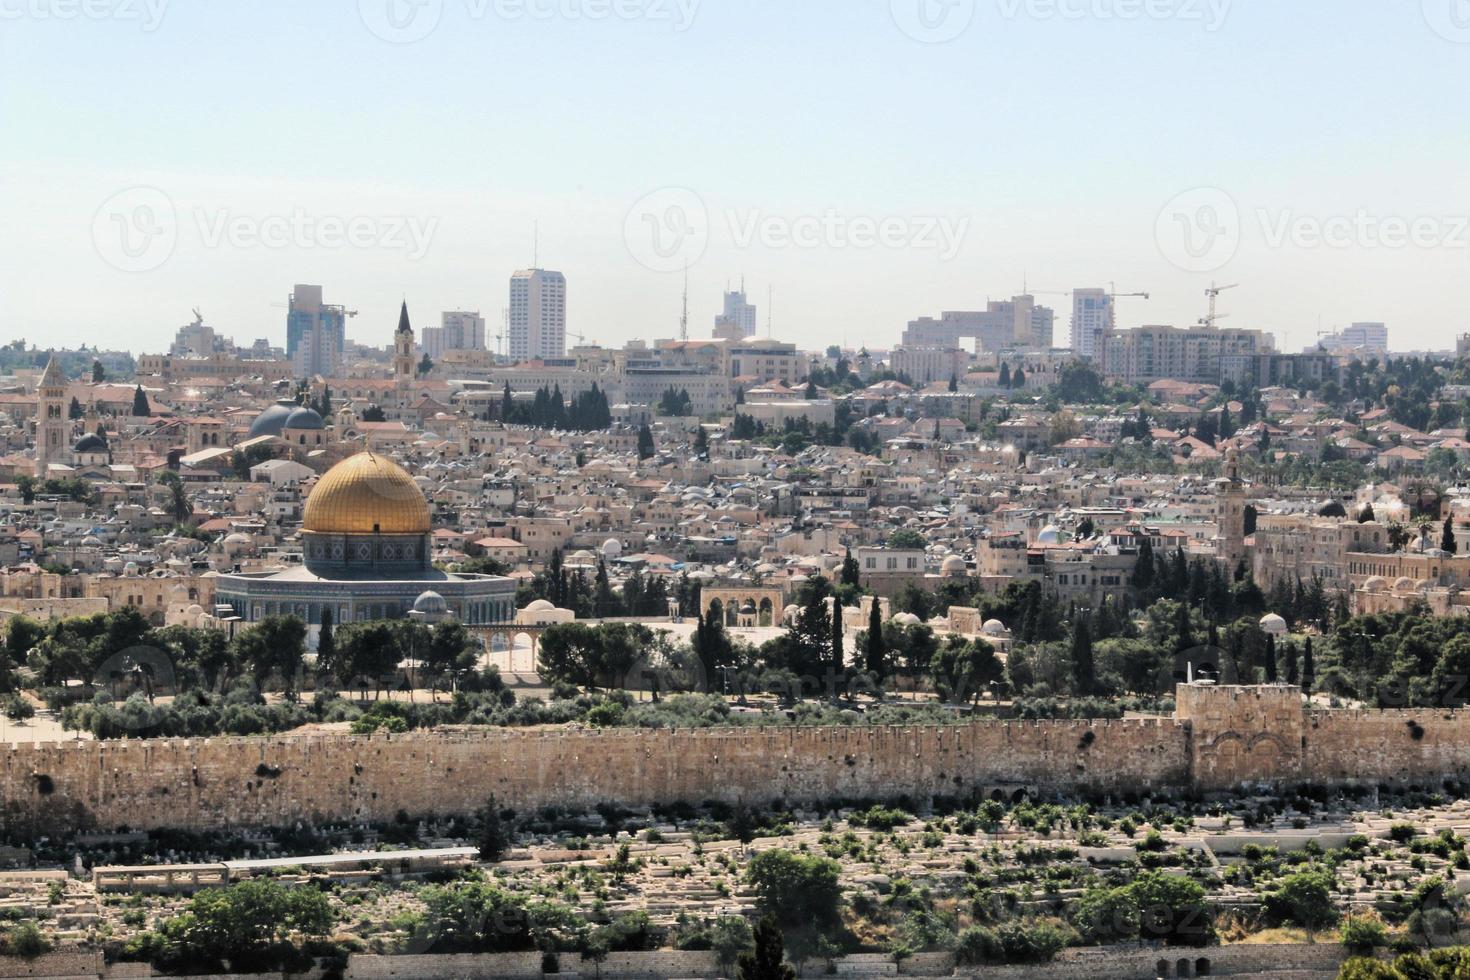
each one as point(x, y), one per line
point(1092, 317)
point(316, 334)
point(538, 314)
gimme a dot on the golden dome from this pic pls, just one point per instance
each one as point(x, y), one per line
point(364, 495)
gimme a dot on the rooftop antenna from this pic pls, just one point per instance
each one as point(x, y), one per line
point(536, 245)
point(684, 317)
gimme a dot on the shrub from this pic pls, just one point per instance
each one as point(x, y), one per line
point(17, 708)
point(27, 940)
point(1364, 933)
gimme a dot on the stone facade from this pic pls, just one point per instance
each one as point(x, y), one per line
point(1221, 739)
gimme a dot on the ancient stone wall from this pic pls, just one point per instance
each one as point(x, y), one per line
point(1222, 738)
point(205, 783)
point(1389, 747)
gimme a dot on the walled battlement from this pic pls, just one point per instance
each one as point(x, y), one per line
point(1221, 738)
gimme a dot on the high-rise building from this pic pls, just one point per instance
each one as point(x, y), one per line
point(1006, 325)
point(1092, 316)
point(316, 334)
point(1199, 354)
point(538, 314)
point(458, 330)
point(739, 319)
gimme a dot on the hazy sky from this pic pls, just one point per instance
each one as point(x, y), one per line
point(870, 160)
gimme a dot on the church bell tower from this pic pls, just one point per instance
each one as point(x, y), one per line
point(53, 428)
point(403, 363)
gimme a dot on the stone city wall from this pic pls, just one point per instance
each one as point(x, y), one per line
point(1220, 739)
point(206, 783)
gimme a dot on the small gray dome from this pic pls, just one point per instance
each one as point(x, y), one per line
point(304, 418)
point(271, 421)
point(432, 603)
point(90, 443)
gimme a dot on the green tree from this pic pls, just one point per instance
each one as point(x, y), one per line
point(851, 573)
point(1304, 898)
point(141, 408)
point(767, 960)
point(796, 889)
point(99, 373)
point(240, 923)
point(275, 645)
point(179, 505)
point(1447, 542)
point(645, 442)
point(876, 655)
point(494, 837)
point(964, 669)
point(1084, 669)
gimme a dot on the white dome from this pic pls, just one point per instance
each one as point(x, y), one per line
point(194, 610)
point(430, 602)
point(953, 565)
point(539, 605)
point(1273, 624)
point(907, 619)
point(993, 627)
point(1375, 584)
point(1051, 534)
point(612, 548)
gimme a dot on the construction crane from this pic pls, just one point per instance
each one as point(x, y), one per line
point(1114, 296)
point(1213, 293)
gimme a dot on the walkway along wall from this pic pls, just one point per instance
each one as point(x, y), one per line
point(1221, 738)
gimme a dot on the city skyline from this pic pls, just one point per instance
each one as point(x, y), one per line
point(1312, 204)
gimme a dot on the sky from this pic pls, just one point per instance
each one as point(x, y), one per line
point(860, 162)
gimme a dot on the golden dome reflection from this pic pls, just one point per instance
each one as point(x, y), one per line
point(366, 494)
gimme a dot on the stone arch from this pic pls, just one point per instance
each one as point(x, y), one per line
point(1161, 969)
point(1202, 966)
point(766, 613)
point(1184, 968)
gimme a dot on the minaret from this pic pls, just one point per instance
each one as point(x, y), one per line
point(403, 364)
point(53, 428)
point(1232, 511)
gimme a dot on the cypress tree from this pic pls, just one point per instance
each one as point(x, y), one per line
point(1309, 669)
point(1270, 659)
point(1084, 671)
point(876, 654)
point(839, 665)
point(1447, 542)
